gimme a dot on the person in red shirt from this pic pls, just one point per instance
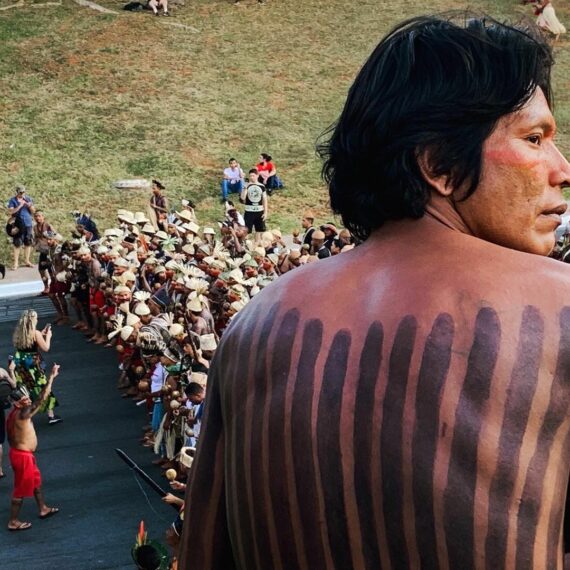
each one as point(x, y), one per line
point(267, 173)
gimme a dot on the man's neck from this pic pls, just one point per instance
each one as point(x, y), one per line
point(442, 210)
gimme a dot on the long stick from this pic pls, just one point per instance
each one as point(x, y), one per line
point(144, 476)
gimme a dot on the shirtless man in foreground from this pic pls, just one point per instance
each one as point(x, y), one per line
point(23, 443)
point(423, 419)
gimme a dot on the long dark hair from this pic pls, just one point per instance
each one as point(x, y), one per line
point(435, 84)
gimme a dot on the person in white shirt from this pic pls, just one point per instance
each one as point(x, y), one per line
point(233, 180)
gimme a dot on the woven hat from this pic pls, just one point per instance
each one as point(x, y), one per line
point(126, 332)
point(176, 329)
point(126, 216)
point(185, 215)
point(210, 231)
point(142, 310)
point(186, 456)
point(318, 234)
point(121, 262)
point(194, 305)
point(83, 250)
point(140, 218)
point(161, 234)
point(148, 229)
point(132, 319)
point(192, 227)
point(113, 232)
point(208, 342)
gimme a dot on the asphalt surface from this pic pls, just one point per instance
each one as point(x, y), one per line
point(101, 499)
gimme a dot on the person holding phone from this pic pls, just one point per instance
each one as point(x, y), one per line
point(30, 368)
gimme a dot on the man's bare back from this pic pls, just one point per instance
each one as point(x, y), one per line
point(434, 439)
point(406, 404)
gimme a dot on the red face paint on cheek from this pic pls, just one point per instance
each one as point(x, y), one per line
point(506, 156)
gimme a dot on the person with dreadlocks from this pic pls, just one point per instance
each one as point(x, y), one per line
point(30, 369)
point(23, 443)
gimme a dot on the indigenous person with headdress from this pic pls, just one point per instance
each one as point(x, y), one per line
point(41, 231)
point(8, 379)
point(424, 422)
point(23, 443)
point(158, 206)
point(30, 368)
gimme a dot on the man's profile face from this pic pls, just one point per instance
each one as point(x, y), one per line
point(39, 218)
point(519, 201)
point(306, 223)
point(233, 164)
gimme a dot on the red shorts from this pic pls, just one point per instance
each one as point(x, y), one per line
point(27, 476)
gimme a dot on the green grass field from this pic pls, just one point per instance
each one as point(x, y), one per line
point(87, 98)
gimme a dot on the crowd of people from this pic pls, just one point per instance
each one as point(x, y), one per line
point(160, 290)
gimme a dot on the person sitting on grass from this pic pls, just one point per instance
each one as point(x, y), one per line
point(233, 180)
point(268, 173)
point(154, 5)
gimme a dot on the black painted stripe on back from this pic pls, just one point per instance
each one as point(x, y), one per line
point(237, 370)
point(301, 415)
point(433, 374)
point(520, 393)
point(257, 475)
point(391, 440)
point(459, 496)
point(529, 508)
point(369, 369)
point(201, 476)
point(278, 467)
point(240, 363)
point(328, 448)
point(559, 510)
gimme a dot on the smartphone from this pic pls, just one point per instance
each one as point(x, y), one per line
point(10, 357)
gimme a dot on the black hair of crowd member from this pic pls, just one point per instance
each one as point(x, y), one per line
point(158, 184)
point(266, 156)
point(434, 87)
point(253, 171)
point(194, 389)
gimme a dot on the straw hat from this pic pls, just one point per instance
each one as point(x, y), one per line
point(318, 234)
point(132, 319)
point(194, 305)
point(142, 309)
point(176, 329)
point(208, 342)
point(210, 231)
point(161, 234)
point(185, 215)
point(148, 229)
point(140, 218)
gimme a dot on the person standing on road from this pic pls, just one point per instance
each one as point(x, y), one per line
point(42, 230)
point(9, 377)
point(30, 368)
point(23, 443)
point(21, 207)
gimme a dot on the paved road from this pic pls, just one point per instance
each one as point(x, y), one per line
point(101, 502)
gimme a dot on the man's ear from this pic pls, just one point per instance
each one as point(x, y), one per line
point(440, 183)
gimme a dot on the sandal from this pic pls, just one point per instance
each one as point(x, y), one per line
point(21, 526)
point(50, 513)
